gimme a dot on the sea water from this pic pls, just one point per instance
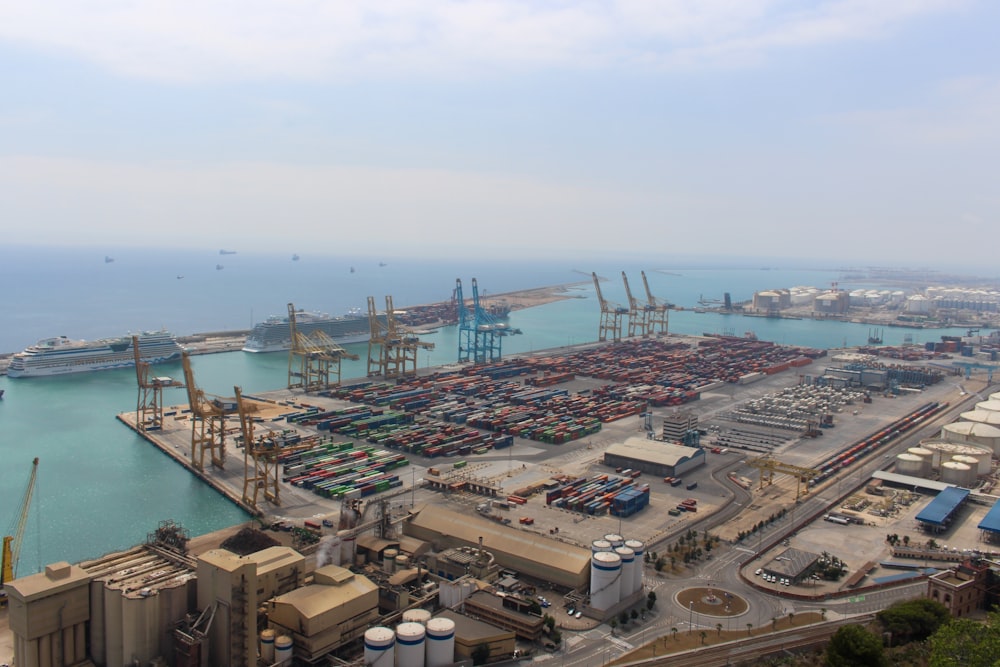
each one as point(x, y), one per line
point(101, 488)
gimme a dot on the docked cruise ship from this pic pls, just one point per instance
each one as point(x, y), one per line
point(61, 355)
point(274, 334)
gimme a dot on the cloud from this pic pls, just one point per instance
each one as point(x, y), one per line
point(212, 40)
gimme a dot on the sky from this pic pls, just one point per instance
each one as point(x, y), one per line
point(827, 129)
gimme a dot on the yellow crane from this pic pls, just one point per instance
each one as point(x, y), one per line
point(12, 542)
point(208, 421)
point(396, 346)
point(659, 311)
point(611, 316)
point(149, 402)
point(768, 467)
point(319, 358)
point(638, 315)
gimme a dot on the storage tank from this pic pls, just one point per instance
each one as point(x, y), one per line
point(410, 645)
point(627, 578)
point(267, 637)
point(389, 560)
point(283, 650)
point(615, 540)
point(995, 396)
point(420, 616)
point(957, 474)
point(975, 433)
point(981, 416)
point(402, 562)
point(440, 642)
point(911, 464)
point(379, 647)
point(605, 571)
point(639, 549)
point(600, 545)
point(944, 451)
point(992, 405)
point(974, 463)
point(922, 452)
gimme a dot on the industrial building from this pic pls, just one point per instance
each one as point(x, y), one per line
point(561, 564)
point(656, 458)
point(794, 565)
point(962, 589)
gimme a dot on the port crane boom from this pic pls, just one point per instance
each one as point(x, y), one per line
point(208, 421)
point(392, 348)
point(659, 311)
point(319, 358)
point(611, 316)
point(638, 314)
point(12, 542)
point(149, 402)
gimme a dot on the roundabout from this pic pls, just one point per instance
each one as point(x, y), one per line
point(711, 601)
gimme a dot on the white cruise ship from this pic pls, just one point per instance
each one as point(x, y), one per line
point(274, 334)
point(59, 356)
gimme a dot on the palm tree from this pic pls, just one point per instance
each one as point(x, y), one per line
point(703, 635)
point(673, 631)
point(774, 623)
point(749, 628)
point(718, 629)
point(822, 614)
point(791, 618)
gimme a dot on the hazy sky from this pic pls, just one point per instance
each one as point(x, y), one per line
point(863, 129)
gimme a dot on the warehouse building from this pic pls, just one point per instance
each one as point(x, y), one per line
point(656, 458)
point(536, 555)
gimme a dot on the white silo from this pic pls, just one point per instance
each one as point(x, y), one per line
point(600, 545)
point(920, 451)
point(910, 464)
point(625, 581)
point(379, 647)
point(995, 396)
point(267, 637)
point(615, 540)
point(283, 650)
point(973, 432)
point(639, 549)
point(605, 571)
point(440, 642)
point(992, 405)
point(389, 560)
point(957, 474)
point(981, 416)
point(410, 644)
point(972, 462)
point(420, 616)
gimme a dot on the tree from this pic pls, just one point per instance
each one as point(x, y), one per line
point(965, 643)
point(673, 631)
point(906, 540)
point(549, 621)
point(556, 637)
point(822, 614)
point(634, 614)
point(853, 645)
point(623, 618)
point(614, 624)
point(481, 654)
point(650, 601)
point(703, 635)
point(791, 618)
point(749, 628)
point(913, 620)
point(718, 629)
point(535, 608)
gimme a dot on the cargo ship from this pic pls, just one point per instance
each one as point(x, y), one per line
point(274, 334)
point(61, 355)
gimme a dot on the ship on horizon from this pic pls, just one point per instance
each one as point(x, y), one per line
point(227, 252)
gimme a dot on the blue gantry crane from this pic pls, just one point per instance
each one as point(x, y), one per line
point(969, 365)
point(480, 334)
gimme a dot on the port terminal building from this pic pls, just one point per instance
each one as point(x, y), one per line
point(654, 457)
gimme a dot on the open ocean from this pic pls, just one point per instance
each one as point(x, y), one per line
point(101, 488)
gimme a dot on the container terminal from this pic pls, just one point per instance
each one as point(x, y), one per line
point(426, 516)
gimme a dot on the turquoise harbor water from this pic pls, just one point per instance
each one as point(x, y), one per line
point(101, 488)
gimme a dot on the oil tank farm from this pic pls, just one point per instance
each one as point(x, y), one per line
point(943, 450)
point(973, 433)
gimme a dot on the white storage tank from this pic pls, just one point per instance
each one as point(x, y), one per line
point(922, 452)
point(957, 474)
point(410, 645)
point(420, 616)
point(380, 647)
point(625, 581)
point(911, 464)
point(267, 638)
point(974, 463)
point(995, 396)
point(992, 405)
point(615, 540)
point(605, 571)
point(600, 545)
point(283, 650)
point(639, 549)
point(389, 560)
point(982, 416)
point(440, 642)
point(975, 433)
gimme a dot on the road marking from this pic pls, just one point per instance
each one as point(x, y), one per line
point(623, 645)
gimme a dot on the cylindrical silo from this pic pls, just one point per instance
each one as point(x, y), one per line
point(402, 562)
point(420, 616)
point(389, 560)
point(283, 650)
point(379, 647)
point(957, 474)
point(267, 646)
point(973, 432)
point(972, 462)
point(616, 540)
point(600, 545)
point(639, 549)
point(910, 464)
point(995, 396)
point(605, 570)
point(440, 642)
point(992, 405)
point(410, 645)
point(982, 416)
point(625, 581)
point(922, 452)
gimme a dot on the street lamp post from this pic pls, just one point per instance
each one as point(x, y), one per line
point(690, 616)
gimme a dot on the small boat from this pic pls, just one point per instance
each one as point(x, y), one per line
point(108, 259)
point(219, 267)
point(352, 269)
point(1, 392)
point(180, 277)
point(295, 258)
